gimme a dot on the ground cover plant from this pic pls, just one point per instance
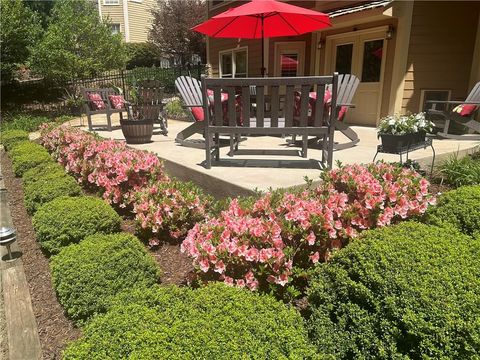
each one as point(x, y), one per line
point(24, 122)
point(459, 208)
point(409, 291)
point(9, 138)
point(462, 171)
point(26, 155)
point(45, 189)
point(67, 220)
point(278, 239)
point(216, 322)
point(87, 275)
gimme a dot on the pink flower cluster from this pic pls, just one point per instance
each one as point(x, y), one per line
point(174, 206)
point(105, 164)
point(272, 241)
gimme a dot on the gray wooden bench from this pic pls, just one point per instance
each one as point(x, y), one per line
point(109, 110)
point(278, 120)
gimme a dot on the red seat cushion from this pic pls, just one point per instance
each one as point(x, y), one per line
point(197, 113)
point(96, 101)
point(465, 109)
point(117, 101)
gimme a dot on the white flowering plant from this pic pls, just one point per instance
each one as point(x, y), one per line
point(404, 124)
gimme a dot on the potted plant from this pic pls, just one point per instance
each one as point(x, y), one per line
point(138, 128)
point(403, 131)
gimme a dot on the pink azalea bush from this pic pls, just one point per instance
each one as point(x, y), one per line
point(276, 241)
point(172, 206)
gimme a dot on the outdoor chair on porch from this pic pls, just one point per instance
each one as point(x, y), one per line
point(242, 120)
point(347, 86)
point(463, 113)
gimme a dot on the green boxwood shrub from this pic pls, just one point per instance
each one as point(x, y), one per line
point(87, 275)
point(42, 171)
point(460, 208)
point(410, 291)
point(26, 155)
point(47, 188)
point(67, 220)
point(216, 322)
point(9, 138)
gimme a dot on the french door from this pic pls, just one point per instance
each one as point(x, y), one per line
point(362, 54)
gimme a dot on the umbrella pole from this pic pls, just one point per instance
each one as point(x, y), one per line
point(263, 49)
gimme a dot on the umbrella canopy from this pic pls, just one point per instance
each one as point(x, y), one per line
point(261, 19)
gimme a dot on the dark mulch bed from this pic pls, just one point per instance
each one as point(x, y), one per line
point(54, 328)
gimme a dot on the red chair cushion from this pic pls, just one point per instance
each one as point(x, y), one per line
point(197, 113)
point(96, 101)
point(117, 101)
point(465, 109)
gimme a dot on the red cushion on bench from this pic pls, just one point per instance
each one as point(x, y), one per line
point(117, 101)
point(198, 113)
point(465, 109)
point(96, 101)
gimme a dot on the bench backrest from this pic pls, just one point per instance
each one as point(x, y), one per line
point(103, 92)
point(241, 89)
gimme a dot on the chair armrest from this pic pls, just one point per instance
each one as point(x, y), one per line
point(453, 102)
point(347, 105)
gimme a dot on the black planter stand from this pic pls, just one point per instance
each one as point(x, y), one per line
point(137, 131)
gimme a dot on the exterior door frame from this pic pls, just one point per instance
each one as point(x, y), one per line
point(329, 55)
point(296, 46)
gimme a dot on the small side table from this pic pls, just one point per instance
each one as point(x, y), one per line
point(407, 149)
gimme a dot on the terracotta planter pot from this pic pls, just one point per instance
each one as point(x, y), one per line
point(395, 143)
point(137, 131)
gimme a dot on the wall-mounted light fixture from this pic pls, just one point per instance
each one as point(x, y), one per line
point(321, 43)
point(390, 32)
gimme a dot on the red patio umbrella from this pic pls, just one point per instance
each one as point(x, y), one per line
point(261, 19)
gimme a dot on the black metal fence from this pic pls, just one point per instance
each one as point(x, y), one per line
point(60, 98)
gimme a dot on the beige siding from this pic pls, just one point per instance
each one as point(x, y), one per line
point(114, 14)
point(441, 49)
point(254, 54)
point(140, 19)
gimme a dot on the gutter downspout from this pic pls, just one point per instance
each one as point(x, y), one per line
point(125, 21)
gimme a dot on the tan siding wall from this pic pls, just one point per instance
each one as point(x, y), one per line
point(114, 13)
point(441, 49)
point(140, 19)
point(254, 54)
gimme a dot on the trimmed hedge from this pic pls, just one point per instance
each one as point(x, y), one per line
point(216, 322)
point(9, 138)
point(410, 291)
point(42, 171)
point(27, 155)
point(460, 208)
point(47, 188)
point(67, 220)
point(87, 275)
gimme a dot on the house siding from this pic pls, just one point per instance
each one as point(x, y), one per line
point(114, 15)
point(441, 50)
point(140, 19)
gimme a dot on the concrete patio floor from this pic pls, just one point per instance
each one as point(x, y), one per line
point(244, 173)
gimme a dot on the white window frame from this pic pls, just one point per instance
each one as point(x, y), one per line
point(119, 28)
point(137, 1)
point(232, 52)
point(422, 96)
point(111, 2)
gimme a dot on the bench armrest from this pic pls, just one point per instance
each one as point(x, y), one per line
point(453, 102)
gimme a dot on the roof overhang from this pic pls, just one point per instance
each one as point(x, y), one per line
point(368, 12)
point(378, 4)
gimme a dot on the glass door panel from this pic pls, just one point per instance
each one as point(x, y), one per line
point(372, 61)
point(343, 58)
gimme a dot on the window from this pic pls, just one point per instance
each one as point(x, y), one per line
point(111, 2)
point(343, 59)
point(288, 64)
point(234, 63)
point(115, 28)
point(427, 95)
point(372, 60)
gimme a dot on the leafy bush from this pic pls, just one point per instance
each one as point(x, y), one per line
point(410, 291)
point(10, 138)
point(171, 207)
point(108, 165)
point(461, 172)
point(141, 54)
point(87, 275)
point(27, 155)
point(460, 208)
point(47, 188)
point(279, 238)
point(67, 220)
point(25, 122)
point(216, 322)
point(175, 110)
point(42, 171)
